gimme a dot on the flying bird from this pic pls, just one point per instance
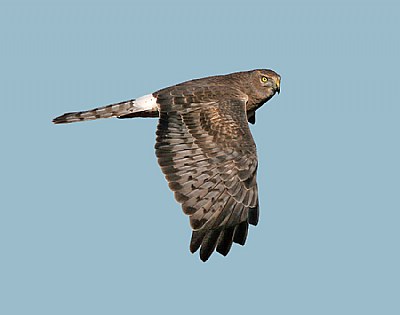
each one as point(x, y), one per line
point(205, 150)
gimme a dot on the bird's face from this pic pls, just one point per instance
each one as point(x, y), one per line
point(267, 82)
point(264, 84)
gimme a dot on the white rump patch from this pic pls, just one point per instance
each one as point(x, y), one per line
point(146, 102)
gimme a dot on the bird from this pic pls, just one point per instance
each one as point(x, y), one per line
point(205, 150)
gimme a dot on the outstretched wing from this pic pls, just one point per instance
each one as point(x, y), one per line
point(207, 153)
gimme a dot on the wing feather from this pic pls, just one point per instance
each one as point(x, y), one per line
point(206, 151)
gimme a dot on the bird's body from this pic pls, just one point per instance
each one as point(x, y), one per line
point(205, 149)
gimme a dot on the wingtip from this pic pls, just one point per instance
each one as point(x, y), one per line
point(254, 215)
point(204, 258)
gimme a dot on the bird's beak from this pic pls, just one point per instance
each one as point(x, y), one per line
point(278, 85)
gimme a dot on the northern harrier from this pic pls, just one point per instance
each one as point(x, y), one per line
point(205, 149)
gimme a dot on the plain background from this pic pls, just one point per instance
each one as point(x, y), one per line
point(88, 224)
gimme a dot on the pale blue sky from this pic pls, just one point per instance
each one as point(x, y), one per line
point(87, 222)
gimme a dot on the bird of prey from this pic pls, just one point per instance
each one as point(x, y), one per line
point(205, 150)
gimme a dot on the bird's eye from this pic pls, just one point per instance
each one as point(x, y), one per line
point(264, 79)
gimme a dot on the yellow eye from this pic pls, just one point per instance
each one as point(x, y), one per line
point(264, 79)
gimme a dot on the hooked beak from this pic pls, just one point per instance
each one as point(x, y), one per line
point(278, 85)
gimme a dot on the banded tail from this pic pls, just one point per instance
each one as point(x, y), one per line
point(145, 106)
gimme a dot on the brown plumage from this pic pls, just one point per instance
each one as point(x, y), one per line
point(205, 149)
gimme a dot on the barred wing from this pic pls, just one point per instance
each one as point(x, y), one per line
point(208, 156)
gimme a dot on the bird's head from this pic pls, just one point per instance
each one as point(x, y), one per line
point(266, 83)
point(263, 84)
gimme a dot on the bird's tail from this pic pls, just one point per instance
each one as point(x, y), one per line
point(144, 106)
point(113, 110)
